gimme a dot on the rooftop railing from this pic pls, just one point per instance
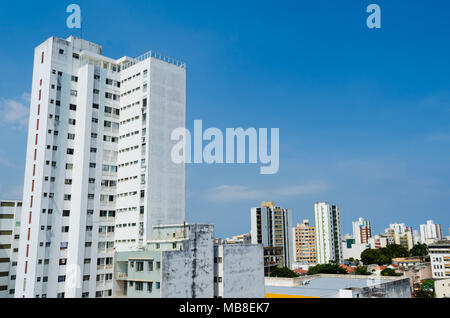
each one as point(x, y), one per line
point(158, 56)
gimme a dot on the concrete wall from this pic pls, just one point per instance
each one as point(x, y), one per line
point(243, 271)
point(390, 289)
point(442, 288)
point(190, 273)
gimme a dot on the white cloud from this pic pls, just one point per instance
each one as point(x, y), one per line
point(303, 189)
point(14, 112)
point(239, 192)
point(233, 192)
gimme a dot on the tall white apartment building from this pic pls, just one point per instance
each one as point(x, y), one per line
point(430, 232)
point(98, 169)
point(328, 233)
point(9, 245)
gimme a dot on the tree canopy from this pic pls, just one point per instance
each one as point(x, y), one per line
point(383, 256)
point(283, 272)
point(331, 268)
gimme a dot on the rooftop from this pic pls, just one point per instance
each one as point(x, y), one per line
point(322, 285)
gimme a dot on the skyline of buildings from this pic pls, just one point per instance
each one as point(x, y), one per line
point(100, 189)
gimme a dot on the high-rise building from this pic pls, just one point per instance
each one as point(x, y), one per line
point(271, 226)
point(305, 243)
point(362, 231)
point(328, 233)
point(98, 168)
point(401, 235)
point(430, 232)
point(10, 211)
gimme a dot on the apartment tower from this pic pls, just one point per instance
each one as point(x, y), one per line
point(271, 226)
point(305, 243)
point(328, 233)
point(98, 170)
point(362, 231)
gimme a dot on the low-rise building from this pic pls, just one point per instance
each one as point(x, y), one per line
point(440, 259)
point(10, 213)
point(414, 268)
point(337, 286)
point(183, 261)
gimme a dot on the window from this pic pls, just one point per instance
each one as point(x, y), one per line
point(61, 51)
point(62, 278)
point(72, 107)
point(75, 56)
point(69, 151)
point(65, 229)
point(139, 286)
point(139, 266)
point(150, 266)
point(73, 92)
point(74, 78)
point(71, 121)
point(66, 213)
point(70, 136)
point(149, 287)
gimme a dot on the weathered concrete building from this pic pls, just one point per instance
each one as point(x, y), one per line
point(337, 286)
point(182, 261)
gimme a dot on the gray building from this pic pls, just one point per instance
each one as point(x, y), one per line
point(271, 227)
point(182, 261)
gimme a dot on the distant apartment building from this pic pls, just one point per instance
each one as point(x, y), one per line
point(328, 233)
point(362, 231)
point(351, 249)
point(305, 243)
point(237, 239)
point(401, 235)
point(271, 227)
point(414, 268)
point(440, 259)
point(183, 261)
point(430, 232)
point(98, 171)
point(380, 241)
point(10, 212)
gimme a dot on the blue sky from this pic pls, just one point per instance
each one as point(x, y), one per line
point(363, 114)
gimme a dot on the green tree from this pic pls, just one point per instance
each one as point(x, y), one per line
point(394, 251)
point(389, 272)
point(283, 272)
point(371, 256)
point(362, 270)
point(426, 290)
point(420, 250)
point(331, 268)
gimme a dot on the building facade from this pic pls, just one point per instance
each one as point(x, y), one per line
point(442, 288)
point(304, 237)
point(10, 212)
point(430, 232)
point(328, 233)
point(401, 235)
point(440, 259)
point(183, 261)
point(362, 231)
point(271, 227)
point(98, 173)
